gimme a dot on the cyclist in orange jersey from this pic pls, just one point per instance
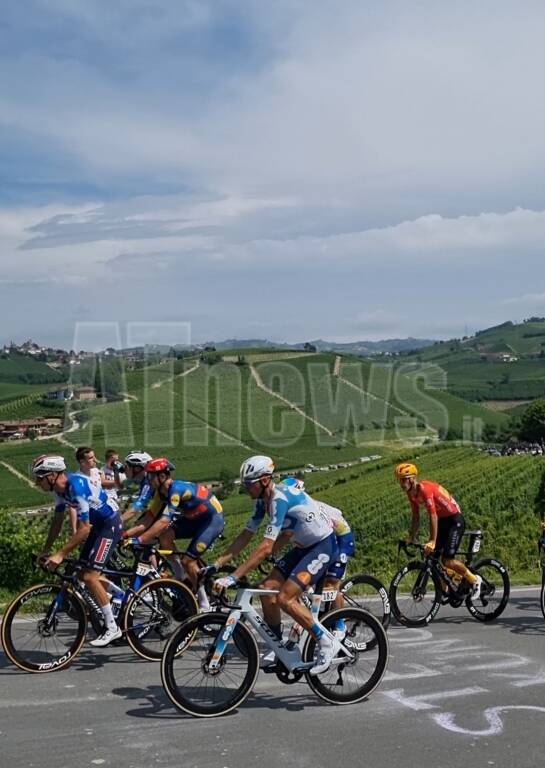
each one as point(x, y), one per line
point(447, 522)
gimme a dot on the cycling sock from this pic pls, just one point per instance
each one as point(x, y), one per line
point(276, 629)
point(317, 630)
point(109, 620)
point(202, 599)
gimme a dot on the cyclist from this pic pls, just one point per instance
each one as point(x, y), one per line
point(180, 510)
point(135, 472)
point(287, 509)
point(112, 471)
point(447, 523)
point(99, 526)
point(345, 544)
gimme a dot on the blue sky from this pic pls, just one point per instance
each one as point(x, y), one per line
point(291, 170)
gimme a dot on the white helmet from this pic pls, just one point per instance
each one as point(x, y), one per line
point(256, 467)
point(137, 459)
point(46, 465)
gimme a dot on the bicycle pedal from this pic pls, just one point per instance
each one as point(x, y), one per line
point(269, 668)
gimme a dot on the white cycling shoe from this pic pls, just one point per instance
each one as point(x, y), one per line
point(328, 647)
point(476, 588)
point(106, 638)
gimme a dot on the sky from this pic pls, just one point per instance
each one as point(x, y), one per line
point(290, 170)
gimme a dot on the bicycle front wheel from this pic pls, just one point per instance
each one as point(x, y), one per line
point(191, 684)
point(367, 592)
point(154, 612)
point(495, 590)
point(357, 675)
point(44, 628)
point(415, 597)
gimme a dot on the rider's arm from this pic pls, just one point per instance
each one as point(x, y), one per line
point(54, 527)
point(282, 540)
point(415, 520)
point(155, 530)
point(241, 541)
point(432, 512)
point(263, 550)
point(433, 529)
point(76, 539)
point(142, 524)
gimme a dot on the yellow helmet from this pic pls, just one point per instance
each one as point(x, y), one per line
point(405, 470)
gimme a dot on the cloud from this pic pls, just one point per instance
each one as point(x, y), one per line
point(527, 300)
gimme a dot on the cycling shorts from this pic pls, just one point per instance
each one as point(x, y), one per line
point(101, 542)
point(202, 530)
point(449, 534)
point(345, 544)
point(306, 565)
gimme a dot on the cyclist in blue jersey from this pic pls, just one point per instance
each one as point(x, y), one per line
point(180, 510)
point(135, 472)
point(292, 511)
point(98, 530)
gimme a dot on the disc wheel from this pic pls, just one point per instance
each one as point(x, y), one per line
point(44, 628)
point(154, 612)
point(415, 597)
point(495, 590)
point(196, 687)
point(369, 593)
point(362, 667)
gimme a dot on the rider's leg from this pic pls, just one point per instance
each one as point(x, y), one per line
point(449, 536)
point(271, 609)
point(166, 541)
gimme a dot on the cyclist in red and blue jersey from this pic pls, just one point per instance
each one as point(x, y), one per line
point(98, 525)
point(447, 524)
point(180, 510)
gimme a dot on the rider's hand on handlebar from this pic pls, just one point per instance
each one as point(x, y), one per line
point(53, 561)
point(131, 541)
point(223, 583)
point(429, 546)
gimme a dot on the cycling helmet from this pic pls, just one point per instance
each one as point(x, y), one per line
point(294, 482)
point(47, 465)
point(137, 459)
point(406, 469)
point(159, 465)
point(256, 467)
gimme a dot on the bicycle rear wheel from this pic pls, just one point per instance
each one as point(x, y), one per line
point(187, 678)
point(494, 590)
point(367, 592)
point(44, 628)
point(415, 597)
point(356, 678)
point(154, 612)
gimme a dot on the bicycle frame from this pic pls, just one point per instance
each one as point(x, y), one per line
point(243, 610)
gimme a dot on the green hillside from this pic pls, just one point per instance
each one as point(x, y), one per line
point(24, 369)
point(475, 370)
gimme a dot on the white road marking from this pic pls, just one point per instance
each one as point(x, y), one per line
point(422, 701)
point(492, 716)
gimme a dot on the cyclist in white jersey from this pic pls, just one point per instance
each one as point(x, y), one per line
point(293, 512)
point(345, 543)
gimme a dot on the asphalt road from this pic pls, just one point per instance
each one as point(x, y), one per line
point(456, 694)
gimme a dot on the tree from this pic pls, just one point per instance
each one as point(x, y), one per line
point(532, 422)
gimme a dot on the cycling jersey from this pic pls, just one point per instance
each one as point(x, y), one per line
point(143, 496)
point(183, 499)
point(293, 510)
point(435, 498)
point(91, 502)
point(338, 521)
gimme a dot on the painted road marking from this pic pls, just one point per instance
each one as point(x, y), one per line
point(423, 701)
point(495, 723)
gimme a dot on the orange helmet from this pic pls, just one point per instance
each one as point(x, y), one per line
point(405, 470)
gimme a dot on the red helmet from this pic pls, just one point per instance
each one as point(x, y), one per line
point(159, 465)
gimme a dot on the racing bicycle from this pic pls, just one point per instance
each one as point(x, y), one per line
point(44, 627)
point(420, 587)
point(211, 662)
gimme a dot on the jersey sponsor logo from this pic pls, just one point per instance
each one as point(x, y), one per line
point(175, 499)
point(318, 563)
point(201, 546)
point(269, 530)
point(103, 551)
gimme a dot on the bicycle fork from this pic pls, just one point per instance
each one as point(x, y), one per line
point(223, 639)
